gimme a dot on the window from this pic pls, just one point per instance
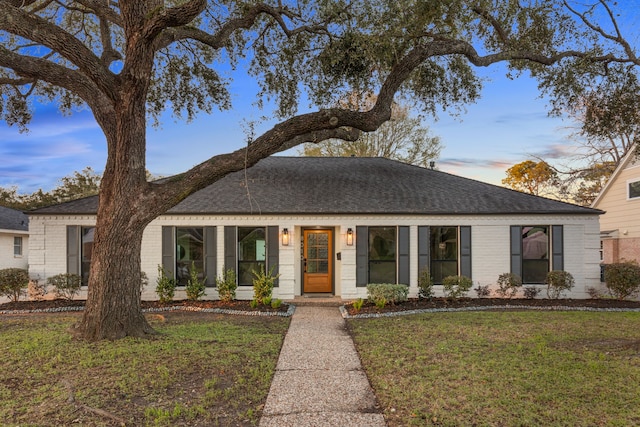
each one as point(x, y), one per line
point(444, 253)
point(252, 253)
point(86, 251)
point(634, 189)
point(382, 254)
point(189, 251)
point(535, 253)
point(17, 246)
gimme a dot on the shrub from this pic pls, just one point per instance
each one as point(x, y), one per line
point(36, 290)
point(357, 304)
point(425, 284)
point(387, 292)
point(482, 291)
point(530, 292)
point(622, 279)
point(67, 285)
point(195, 288)
point(557, 282)
point(165, 286)
point(381, 302)
point(263, 284)
point(456, 286)
point(227, 286)
point(594, 293)
point(253, 303)
point(276, 303)
point(508, 285)
point(12, 282)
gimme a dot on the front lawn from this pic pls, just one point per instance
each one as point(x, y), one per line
point(202, 369)
point(504, 368)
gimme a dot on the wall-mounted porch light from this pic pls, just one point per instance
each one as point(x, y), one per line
point(349, 237)
point(285, 237)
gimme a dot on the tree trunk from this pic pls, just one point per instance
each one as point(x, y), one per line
point(113, 308)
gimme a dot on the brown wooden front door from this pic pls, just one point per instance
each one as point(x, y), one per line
point(317, 261)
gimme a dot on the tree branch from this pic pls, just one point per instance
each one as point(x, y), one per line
point(23, 24)
point(172, 17)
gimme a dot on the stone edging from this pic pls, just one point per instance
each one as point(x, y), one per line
point(288, 313)
point(346, 315)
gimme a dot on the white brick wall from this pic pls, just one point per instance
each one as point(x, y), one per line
point(7, 258)
point(490, 247)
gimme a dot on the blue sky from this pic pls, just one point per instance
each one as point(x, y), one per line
point(507, 125)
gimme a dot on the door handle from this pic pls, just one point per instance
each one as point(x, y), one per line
point(304, 264)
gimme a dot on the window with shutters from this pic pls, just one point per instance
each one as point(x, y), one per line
point(252, 253)
point(189, 253)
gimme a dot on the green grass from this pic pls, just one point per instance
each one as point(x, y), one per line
point(204, 370)
point(504, 368)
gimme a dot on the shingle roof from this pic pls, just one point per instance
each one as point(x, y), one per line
point(11, 219)
point(349, 185)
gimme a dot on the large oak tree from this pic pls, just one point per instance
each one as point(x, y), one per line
point(129, 59)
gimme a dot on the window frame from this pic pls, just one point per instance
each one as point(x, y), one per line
point(371, 261)
point(17, 246)
point(247, 262)
point(629, 184)
point(432, 259)
point(84, 271)
point(184, 270)
point(554, 255)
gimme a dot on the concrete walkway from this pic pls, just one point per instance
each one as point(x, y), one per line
point(319, 380)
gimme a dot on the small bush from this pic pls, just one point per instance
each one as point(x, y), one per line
point(357, 304)
point(425, 284)
point(482, 291)
point(227, 286)
point(530, 292)
point(66, 285)
point(557, 282)
point(594, 293)
point(276, 303)
point(263, 284)
point(253, 303)
point(12, 282)
point(36, 290)
point(165, 286)
point(195, 288)
point(381, 302)
point(456, 286)
point(622, 279)
point(387, 292)
point(508, 285)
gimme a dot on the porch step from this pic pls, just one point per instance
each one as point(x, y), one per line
point(317, 300)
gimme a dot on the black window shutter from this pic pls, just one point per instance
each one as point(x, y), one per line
point(230, 249)
point(465, 251)
point(403, 255)
point(516, 250)
point(168, 251)
point(210, 267)
point(557, 236)
point(273, 247)
point(73, 249)
point(362, 256)
point(424, 235)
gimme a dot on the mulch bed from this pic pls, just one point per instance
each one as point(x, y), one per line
point(146, 305)
point(488, 303)
point(367, 308)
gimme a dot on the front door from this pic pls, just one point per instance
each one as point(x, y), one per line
point(317, 261)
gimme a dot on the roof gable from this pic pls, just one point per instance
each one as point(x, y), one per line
point(627, 160)
point(349, 185)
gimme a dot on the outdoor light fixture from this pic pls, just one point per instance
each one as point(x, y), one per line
point(349, 237)
point(285, 237)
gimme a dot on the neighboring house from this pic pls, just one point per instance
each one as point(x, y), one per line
point(14, 239)
point(620, 224)
point(333, 225)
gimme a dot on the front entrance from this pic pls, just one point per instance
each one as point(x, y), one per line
point(317, 262)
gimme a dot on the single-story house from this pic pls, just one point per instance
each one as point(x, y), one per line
point(333, 225)
point(14, 239)
point(620, 224)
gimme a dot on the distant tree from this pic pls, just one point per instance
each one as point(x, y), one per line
point(402, 138)
point(531, 177)
point(76, 186)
